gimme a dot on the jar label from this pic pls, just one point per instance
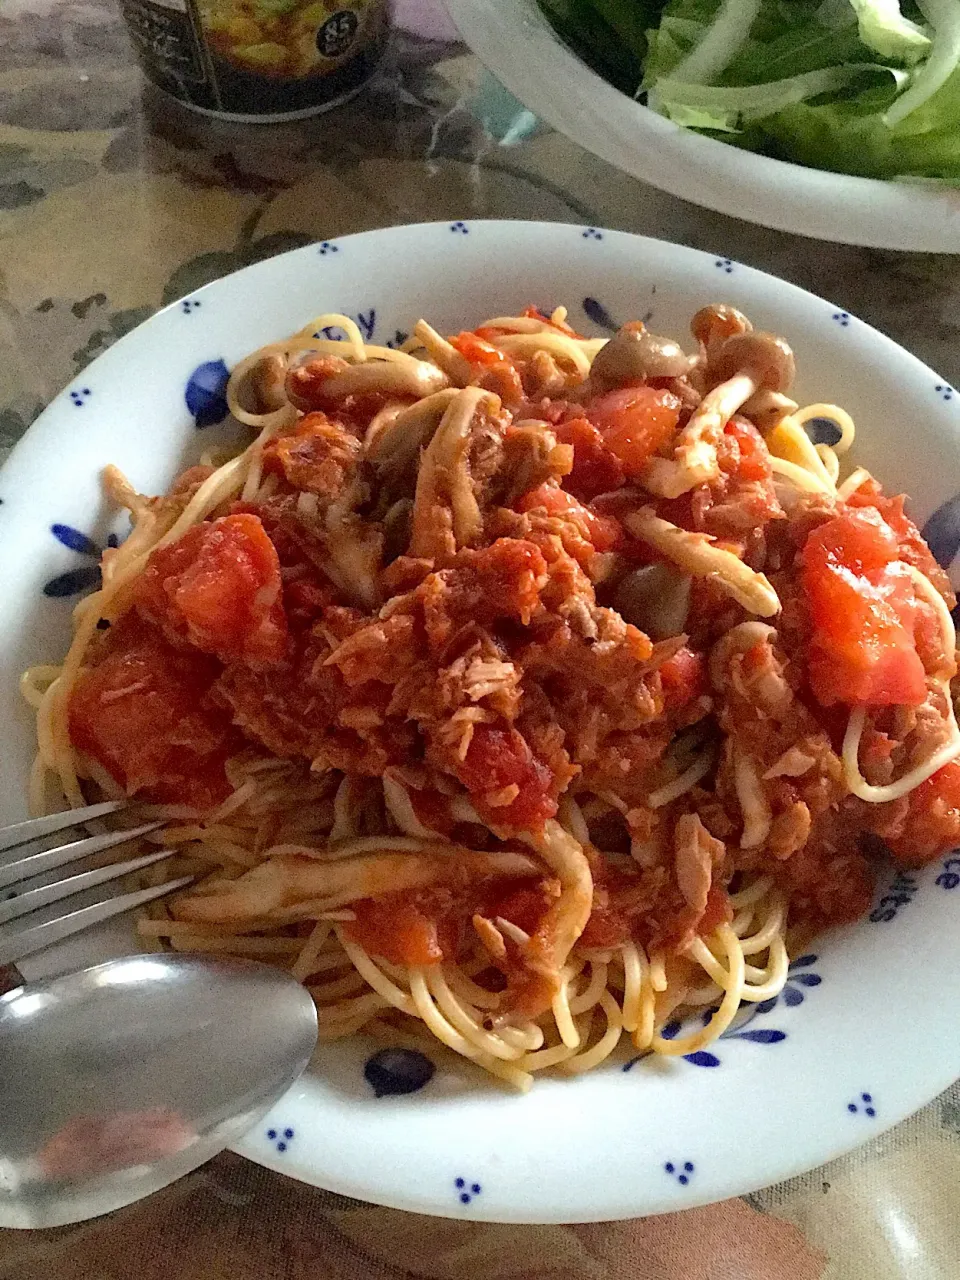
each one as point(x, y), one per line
point(257, 57)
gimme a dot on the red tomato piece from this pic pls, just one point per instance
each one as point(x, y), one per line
point(219, 589)
point(862, 604)
point(932, 827)
point(498, 758)
point(596, 469)
point(742, 452)
point(477, 350)
point(144, 712)
point(683, 678)
point(396, 928)
point(913, 549)
point(493, 369)
point(602, 531)
point(635, 423)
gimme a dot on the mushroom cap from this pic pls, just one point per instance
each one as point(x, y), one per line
point(634, 354)
point(718, 321)
point(767, 358)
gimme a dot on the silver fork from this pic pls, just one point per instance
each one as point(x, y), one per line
point(21, 861)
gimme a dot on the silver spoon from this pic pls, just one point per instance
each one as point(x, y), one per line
point(119, 1079)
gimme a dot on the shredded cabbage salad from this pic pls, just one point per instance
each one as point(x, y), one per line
point(870, 87)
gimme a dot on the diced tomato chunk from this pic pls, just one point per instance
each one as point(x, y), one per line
point(742, 452)
point(602, 531)
point(912, 547)
point(635, 423)
point(932, 827)
point(145, 713)
point(862, 604)
point(477, 350)
point(683, 677)
point(396, 928)
point(493, 369)
point(596, 469)
point(498, 758)
point(219, 589)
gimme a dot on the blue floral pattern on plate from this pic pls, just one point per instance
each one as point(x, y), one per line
point(390, 1072)
point(949, 877)
point(897, 894)
point(281, 1138)
point(206, 393)
point(598, 313)
point(366, 322)
point(799, 978)
point(823, 431)
point(942, 532)
point(682, 1172)
point(865, 1104)
point(466, 1190)
point(85, 578)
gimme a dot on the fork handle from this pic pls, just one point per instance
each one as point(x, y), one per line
point(10, 978)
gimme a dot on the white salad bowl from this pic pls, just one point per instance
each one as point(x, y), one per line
point(865, 1031)
point(515, 40)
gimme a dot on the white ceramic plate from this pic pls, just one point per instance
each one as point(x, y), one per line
point(514, 39)
point(864, 1033)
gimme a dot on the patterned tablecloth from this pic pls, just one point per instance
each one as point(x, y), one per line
point(114, 201)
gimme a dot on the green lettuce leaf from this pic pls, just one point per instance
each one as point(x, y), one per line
point(862, 114)
point(733, 103)
point(786, 39)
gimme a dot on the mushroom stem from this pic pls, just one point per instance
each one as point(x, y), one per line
point(695, 452)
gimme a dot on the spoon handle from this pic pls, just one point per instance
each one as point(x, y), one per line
point(10, 978)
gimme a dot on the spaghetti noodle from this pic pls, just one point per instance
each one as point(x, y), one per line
point(452, 689)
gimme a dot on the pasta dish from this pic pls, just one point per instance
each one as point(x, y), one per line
point(518, 690)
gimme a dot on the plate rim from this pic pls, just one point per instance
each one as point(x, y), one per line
point(875, 213)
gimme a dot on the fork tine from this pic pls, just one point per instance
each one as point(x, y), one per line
point(28, 941)
point(33, 828)
point(35, 864)
point(32, 899)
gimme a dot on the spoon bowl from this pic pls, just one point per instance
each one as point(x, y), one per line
point(121, 1078)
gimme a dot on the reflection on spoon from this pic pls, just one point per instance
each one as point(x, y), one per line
point(121, 1078)
point(88, 1145)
